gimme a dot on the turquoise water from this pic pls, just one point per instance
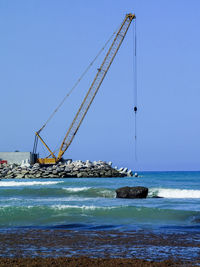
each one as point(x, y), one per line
point(88, 203)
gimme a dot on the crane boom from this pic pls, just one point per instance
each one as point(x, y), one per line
point(102, 71)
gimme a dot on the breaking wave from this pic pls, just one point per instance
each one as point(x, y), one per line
point(86, 192)
point(174, 193)
point(77, 189)
point(17, 183)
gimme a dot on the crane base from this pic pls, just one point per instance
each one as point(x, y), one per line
point(47, 161)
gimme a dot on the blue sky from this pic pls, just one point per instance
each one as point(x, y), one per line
point(46, 45)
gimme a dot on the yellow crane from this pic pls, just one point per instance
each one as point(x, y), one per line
point(80, 115)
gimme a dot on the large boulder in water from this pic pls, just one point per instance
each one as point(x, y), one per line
point(132, 192)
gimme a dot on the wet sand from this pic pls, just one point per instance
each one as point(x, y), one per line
point(60, 247)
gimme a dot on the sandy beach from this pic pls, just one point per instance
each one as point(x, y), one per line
point(61, 247)
point(85, 261)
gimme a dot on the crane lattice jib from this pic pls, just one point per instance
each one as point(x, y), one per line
point(102, 71)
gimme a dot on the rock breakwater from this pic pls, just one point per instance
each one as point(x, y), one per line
point(69, 169)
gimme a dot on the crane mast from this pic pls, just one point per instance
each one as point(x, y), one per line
point(101, 73)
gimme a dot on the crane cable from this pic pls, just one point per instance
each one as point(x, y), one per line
point(77, 82)
point(135, 86)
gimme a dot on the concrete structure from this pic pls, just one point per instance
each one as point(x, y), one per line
point(17, 157)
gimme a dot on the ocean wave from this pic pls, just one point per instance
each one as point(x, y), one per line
point(115, 215)
point(91, 192)
point(44, 191)
point(29, 183)
point(174, 193)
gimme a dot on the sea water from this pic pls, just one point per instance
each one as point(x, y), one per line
point(91, 202)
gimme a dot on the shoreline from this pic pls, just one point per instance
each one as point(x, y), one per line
point(68, 169)
point(109, 247)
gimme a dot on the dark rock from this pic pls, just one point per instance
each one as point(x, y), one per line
point(132, 192)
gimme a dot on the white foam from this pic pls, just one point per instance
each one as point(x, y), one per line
point(83, 207)
point(76, 189)
point(174, 193)
point(16, 183)
point(58, 199)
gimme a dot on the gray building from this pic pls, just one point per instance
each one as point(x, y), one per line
point(18, 157)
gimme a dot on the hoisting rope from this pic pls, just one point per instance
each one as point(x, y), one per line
point(135, 86)
point(77, 82)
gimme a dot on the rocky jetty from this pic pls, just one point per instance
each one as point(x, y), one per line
point(132, 192)
point(73, 169)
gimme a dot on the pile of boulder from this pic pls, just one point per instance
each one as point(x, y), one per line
point(75, 169)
